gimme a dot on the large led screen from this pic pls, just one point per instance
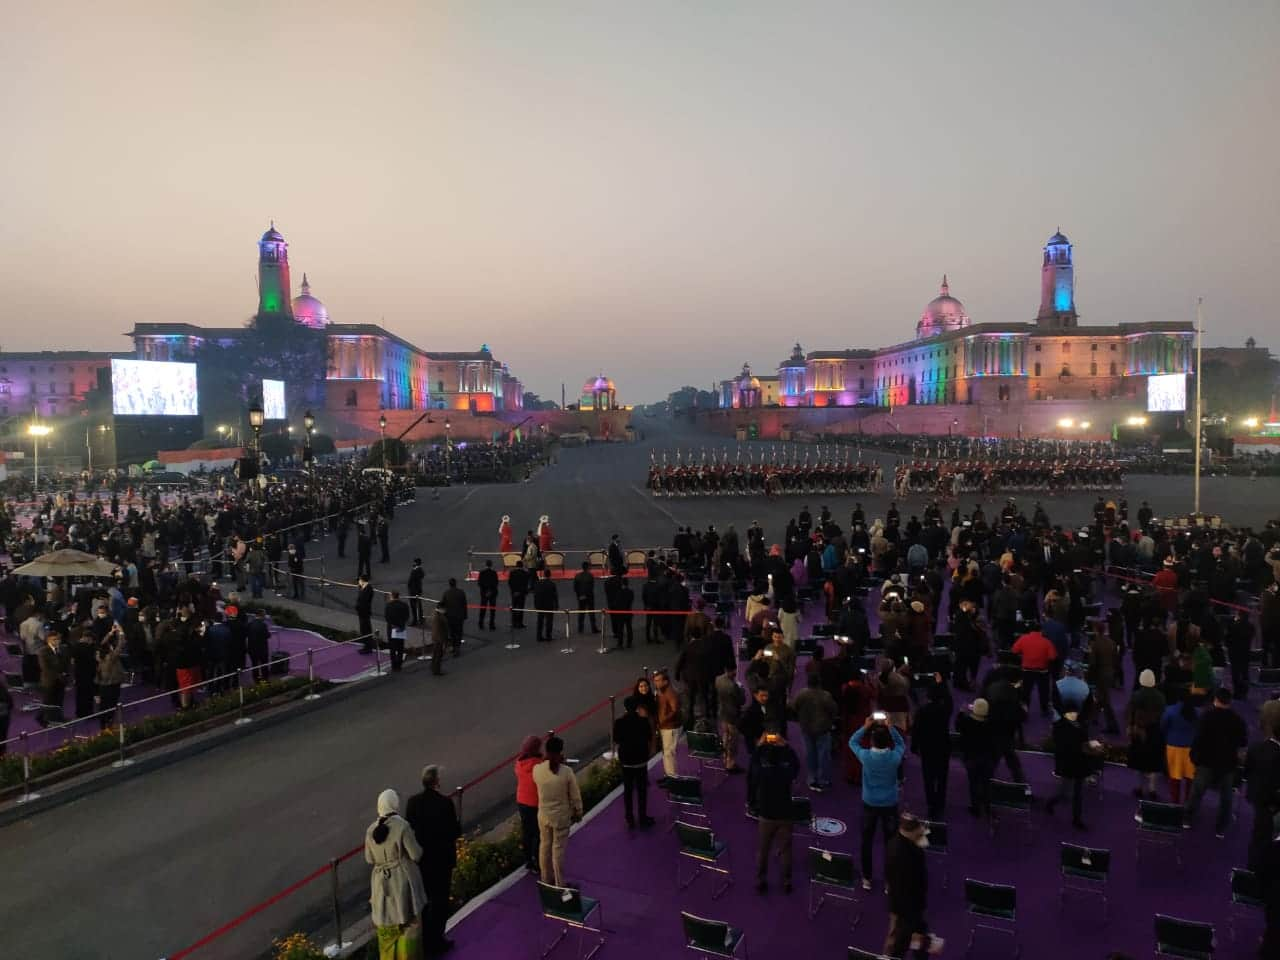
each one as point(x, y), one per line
point(273, 400)
point(153, 388)
point(1167, 393)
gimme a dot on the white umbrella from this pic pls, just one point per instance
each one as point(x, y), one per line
point(67, 563)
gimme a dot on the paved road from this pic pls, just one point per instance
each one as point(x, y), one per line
point(144, 868)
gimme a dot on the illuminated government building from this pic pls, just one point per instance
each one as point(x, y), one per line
point(369, 368)
point(953, 360)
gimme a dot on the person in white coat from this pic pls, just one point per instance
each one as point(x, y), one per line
point(396, 894)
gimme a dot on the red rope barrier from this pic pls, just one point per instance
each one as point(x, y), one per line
point(1147, 583)
point(258, 908)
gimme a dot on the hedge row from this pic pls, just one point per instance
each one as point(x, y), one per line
point(77, 751)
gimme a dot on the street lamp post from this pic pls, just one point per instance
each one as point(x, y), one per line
point(308, 454)
point(382, 444)
point(36, 431)
point(255, 421)
point(308, 458)
point(448, 449)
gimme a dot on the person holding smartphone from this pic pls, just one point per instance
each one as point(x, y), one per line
point(880, 747)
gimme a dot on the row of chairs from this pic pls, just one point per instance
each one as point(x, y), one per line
point(834, 876)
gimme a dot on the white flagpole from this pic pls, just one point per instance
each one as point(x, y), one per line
point(1199, 349)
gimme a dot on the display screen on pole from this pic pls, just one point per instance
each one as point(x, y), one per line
point(273, 400)
point(153, 388)
point(1167, 393)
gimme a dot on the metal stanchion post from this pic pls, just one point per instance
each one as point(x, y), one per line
point(241, 719)
point(27, 795)
point(612, 752)
point(457, 802)
point(123, 761)
point(603, 648)
point(511, 632)
point(422, 654)
point(339, 945)
point(568, 638)
point(322, 578)
point(311, 676)
point(377, 656)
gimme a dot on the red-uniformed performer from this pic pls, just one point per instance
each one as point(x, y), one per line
point(545, 535)
point(504, 535)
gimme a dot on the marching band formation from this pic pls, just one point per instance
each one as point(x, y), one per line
point(948, 480)
point(831, 471)
point(835, 470)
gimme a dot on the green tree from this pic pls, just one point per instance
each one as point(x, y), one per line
point(397, 454)
point(688, 397)
point(271, 348)
point(1240, 390)
point(534, 402)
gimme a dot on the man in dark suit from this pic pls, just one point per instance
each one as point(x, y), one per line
point(518, 582)
point(617, 564)
point(434, 822)
point(1262, 775)
point(364, 551)
point(487, 581)
point(584, 589)
point(258, 641)
point(396, 614)
point(416, 578)
point(546, 600)
point(454, 604)
point(364, 611)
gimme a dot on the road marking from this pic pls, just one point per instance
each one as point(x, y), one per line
point(648, 498)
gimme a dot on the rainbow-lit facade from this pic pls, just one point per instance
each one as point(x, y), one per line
point(954, 360)
point(369, 368)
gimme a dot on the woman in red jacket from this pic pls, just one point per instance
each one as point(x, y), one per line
point(530, 755)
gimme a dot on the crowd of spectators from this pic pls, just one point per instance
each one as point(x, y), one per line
point(1008, 609)
point(181, 605)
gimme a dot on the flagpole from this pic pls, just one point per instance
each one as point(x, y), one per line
point(1199, 353)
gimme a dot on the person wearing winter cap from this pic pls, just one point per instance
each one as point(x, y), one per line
point(1146, 741)
point(978, 748)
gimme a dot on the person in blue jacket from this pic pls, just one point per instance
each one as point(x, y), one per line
point(880, 747)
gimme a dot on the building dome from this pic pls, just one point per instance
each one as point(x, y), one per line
point(307, 310)
point(272, 234)
point(1058, 238)
point(943, 313)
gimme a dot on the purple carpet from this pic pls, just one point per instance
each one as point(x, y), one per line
point(633, 874)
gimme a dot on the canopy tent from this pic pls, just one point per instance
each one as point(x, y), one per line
point(67, 563)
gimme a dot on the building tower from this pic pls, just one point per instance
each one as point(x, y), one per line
point(1057, 285)
point(273, 275)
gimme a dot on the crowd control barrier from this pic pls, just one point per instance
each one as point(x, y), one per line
point(310, 901)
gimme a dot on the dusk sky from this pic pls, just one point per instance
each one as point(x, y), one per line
point(656, 190)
